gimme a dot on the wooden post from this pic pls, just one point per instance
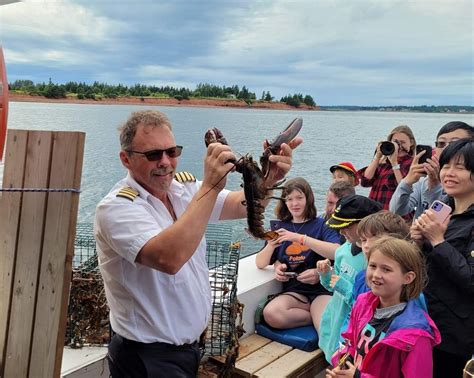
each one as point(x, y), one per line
point(37, 248)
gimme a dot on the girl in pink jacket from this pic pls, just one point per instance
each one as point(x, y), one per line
point(389, 335)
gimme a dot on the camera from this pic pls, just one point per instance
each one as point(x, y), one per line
point(387, 148)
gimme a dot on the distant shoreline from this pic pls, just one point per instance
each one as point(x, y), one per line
point(154, 101)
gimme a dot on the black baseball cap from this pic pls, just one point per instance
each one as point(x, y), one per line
point(352, 209)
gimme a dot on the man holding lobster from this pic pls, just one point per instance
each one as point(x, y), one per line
point(149, 231)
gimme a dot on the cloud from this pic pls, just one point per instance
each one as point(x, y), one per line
point(335, 50)
point(57, 33)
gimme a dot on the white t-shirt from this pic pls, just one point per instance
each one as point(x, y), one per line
point(145, 304)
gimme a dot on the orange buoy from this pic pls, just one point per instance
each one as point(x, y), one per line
point(3, 103)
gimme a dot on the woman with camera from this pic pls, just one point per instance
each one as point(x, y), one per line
point(390, 165)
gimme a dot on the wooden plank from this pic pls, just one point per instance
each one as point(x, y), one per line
point(28, 255)
point(262, 357)
point(290, 363)
point(251, 344)
point(10, 207)
point(58, 250)
point(247, 345)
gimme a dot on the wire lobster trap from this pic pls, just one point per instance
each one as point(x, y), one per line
point(88, 313)
point(223, 261)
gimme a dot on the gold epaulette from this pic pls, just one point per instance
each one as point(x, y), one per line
point(128, 193)
point(183, 177)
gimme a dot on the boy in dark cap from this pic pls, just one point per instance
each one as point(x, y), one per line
point(349, 260)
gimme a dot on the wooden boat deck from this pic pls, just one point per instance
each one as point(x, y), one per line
point(262, 357)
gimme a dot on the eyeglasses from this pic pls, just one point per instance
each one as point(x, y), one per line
point(155, 155)
point(441, 144)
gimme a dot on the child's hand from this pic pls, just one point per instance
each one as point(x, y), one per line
point(347, 371)
point(279, 273)
point(273, 243)
point(323, 266)
point(334, 279)
point(285, 235)
point(416, 234)
point(309, 276)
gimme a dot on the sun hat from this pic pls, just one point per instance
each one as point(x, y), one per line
point(352, 209)
point(349, 168)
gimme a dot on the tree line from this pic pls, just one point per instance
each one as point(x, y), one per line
point(403, 108)
point(98, 91)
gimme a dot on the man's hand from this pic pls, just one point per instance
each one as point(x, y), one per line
point(217, 164)
point(280, 164)
point(432, 169)
point(416, 170)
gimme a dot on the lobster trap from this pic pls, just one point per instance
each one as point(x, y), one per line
point(88, 313)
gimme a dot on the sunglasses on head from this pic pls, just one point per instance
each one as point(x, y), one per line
point(155, 155)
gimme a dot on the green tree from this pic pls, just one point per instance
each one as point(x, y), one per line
point(308, 100)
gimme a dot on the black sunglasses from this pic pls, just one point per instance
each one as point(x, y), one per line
point(155, 155)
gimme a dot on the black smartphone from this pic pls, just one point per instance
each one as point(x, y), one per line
point(427, 155)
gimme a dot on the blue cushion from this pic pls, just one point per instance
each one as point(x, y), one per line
point(304, 338)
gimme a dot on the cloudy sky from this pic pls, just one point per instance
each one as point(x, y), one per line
point(341, 52)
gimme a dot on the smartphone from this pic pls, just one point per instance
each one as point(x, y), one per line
point(427, 155)
point(441, 210)
point(291, 274)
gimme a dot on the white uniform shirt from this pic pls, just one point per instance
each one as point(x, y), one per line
point(145, 304)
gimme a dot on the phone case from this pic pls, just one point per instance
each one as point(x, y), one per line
point(427, 155)
point(441, 210)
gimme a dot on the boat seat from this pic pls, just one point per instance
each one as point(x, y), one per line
point(303, 338)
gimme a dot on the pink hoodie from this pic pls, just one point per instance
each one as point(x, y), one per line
point(406, 351)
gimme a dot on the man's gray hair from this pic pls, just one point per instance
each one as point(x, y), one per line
point(151, 118)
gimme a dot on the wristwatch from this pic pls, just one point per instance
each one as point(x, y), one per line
point(397, 166)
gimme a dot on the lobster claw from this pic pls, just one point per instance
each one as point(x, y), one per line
point(214, 135)
point(285, 136)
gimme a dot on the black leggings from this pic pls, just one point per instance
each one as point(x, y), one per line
point(130, 359)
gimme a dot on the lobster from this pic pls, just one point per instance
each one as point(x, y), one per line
point(254, 177)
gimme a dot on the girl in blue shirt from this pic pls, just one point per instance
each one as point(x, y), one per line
point(303, 240)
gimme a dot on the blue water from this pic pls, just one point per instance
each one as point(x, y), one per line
point(330, 137)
